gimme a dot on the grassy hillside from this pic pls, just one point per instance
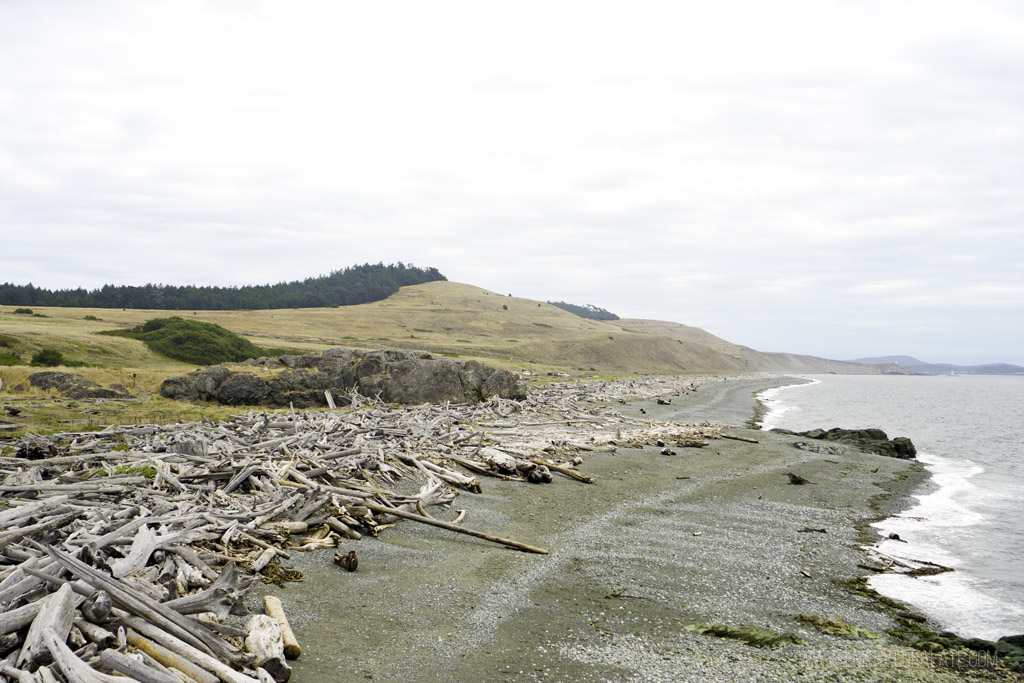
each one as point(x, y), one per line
point(449, 318)
point(443, 317)
point(746, 358)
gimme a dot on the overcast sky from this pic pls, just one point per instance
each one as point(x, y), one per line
point(843, 179)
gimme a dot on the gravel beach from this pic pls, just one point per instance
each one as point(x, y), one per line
point(713, 535)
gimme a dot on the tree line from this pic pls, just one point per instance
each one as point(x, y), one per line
point(586, 311)
point(346, 287)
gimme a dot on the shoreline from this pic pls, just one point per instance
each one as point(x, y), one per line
point(947, 515)
point(660, 543)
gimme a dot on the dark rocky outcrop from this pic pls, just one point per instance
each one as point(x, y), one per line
point(867, 440)
point(397, 376)
point(74, 386)
point(1008, 649)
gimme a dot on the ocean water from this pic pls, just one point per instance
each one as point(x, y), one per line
point(969, 433)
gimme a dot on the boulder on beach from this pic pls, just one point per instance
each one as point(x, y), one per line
point(396, 376)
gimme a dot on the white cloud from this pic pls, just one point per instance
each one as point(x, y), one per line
point(741, 166)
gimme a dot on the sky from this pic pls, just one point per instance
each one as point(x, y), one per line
point(842, 179)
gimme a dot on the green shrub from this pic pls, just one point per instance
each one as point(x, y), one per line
point(23, 311)
point(10, 359)
point(192, 341)
point(48, 357)
point(91, 317)
point(7, 341)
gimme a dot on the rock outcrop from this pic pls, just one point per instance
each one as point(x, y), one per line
point(396, 376)
point(867, 440)
point(74, 386)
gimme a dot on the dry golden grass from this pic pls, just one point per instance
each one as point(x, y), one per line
point(447, 318)
point(442, 317)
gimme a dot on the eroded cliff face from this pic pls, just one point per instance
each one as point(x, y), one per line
point(396, 376)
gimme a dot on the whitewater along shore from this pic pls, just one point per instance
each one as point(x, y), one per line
point(658, 546)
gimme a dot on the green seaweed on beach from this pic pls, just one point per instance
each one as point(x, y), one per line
point(758, 636)
point(835, 626)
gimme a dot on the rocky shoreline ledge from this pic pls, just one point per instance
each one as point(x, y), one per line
point(692, 535)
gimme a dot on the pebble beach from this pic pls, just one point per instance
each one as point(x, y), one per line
point(641, 562)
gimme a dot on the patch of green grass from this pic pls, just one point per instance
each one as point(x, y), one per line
point(758, 636)
point(92, 317)
point(9, 359)
point(835, 626)
point(7, 341)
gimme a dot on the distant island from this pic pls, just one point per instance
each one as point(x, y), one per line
point(923, 368)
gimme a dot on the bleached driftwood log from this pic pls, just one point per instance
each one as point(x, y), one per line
point(136, 668)
point(272, 604)
point(169, 659)
point(192, 654)
point(56, 617)
point(264, 640)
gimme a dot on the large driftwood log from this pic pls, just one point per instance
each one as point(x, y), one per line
point(95, 634)
point(73, 668)
point(193, 654)
point(272, 604)
point(451, 527)
point(14, 619)
point(265, 641)
point(56, 617)
point(135, 669)
point(500, 462)
point(170, 659)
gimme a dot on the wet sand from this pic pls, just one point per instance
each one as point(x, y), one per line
point(711, 535)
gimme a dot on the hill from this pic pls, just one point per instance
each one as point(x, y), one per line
point(924, 368)
point(448, 318)
point(443, 317)
point(746, 359)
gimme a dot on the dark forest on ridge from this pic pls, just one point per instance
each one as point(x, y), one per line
point(347, 287)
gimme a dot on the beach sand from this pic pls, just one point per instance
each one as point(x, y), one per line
point(711, 535)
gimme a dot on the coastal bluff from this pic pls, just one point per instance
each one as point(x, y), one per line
point(395, 376)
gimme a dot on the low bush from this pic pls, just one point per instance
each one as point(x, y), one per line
point(192, 341)
point(48, 358)
point(23, 311)
point(9, 359)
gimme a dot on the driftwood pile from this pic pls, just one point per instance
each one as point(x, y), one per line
point(130, 551)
